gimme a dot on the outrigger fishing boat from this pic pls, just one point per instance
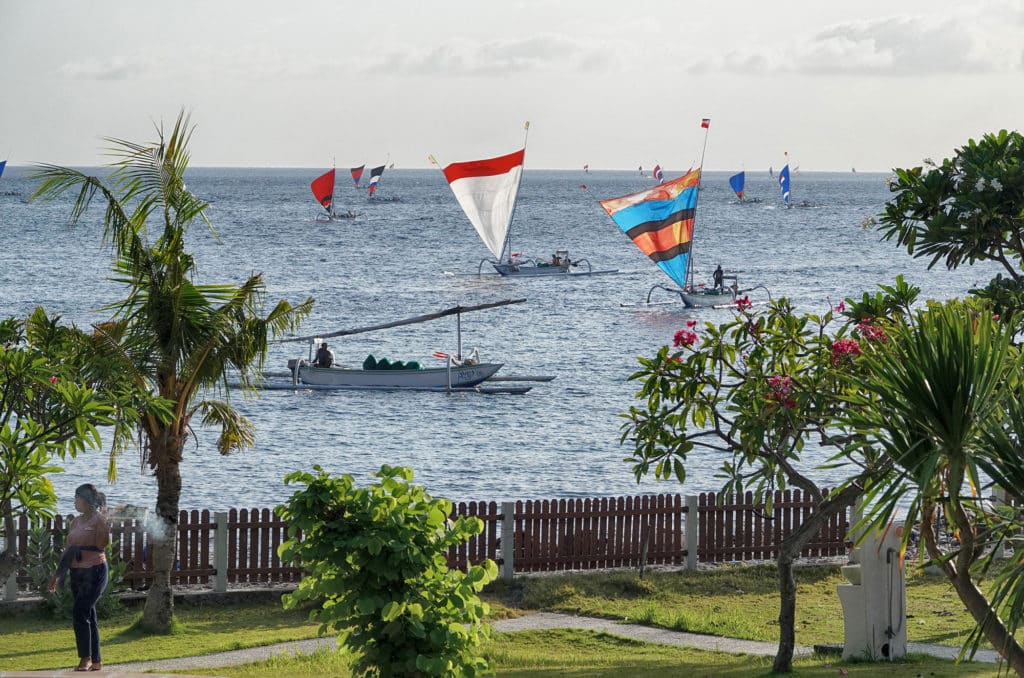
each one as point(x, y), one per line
point(487, 191)
point(461, 372)
point(660, 222)
point(323, 191)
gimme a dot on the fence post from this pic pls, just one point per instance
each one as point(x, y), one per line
point(11, 587)
point(508, 539)
point(220, 551)
point(692, 531)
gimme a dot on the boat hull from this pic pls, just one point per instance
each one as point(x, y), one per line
point(530, 270)
point(462, 376)
point(707, 298)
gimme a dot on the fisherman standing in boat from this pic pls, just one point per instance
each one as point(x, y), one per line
point(324, 356)
point(719, 278)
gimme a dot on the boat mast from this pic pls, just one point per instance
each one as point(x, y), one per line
point(700, 180)
point(507, 245)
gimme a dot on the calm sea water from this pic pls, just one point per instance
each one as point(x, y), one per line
point(410, 257)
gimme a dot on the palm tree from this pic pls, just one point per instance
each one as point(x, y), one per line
point(178, 339)
point(941, 394)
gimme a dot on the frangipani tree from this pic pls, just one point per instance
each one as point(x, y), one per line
point(750, 394)
point(177, 338)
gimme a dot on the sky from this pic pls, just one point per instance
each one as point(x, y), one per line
point(872, 85)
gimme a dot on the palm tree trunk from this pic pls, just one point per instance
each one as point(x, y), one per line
point(158, 613)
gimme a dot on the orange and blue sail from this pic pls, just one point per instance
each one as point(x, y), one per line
point(659, 221)
point(737, 181)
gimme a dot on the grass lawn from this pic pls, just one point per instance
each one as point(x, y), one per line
point(584, 653)
point(737, 601)
point(740, 602)
point(29, 642)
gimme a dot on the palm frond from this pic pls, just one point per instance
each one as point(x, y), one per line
point(237, 433)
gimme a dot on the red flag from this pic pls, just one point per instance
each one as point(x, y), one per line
point(705, 123)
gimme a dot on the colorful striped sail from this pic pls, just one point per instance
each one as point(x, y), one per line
point(357, 174)
point(659, 221)
point(375, 174)
point(658, 174)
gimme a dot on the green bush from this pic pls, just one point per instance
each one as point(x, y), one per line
point(376, 565)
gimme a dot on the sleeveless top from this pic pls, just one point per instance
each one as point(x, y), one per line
point(91, 532)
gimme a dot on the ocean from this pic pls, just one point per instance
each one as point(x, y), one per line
point(400, 259)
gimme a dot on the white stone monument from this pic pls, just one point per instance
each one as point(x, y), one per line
point(875, 599)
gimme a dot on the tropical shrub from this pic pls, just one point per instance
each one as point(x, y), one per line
point(375, 560)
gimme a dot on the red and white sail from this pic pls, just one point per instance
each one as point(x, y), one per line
point(486, 190)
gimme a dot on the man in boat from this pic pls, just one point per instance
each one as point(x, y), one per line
point(719, 278)
point(324, 356)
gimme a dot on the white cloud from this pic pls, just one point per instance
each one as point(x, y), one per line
point(979, 41)
point(114, 68)
point(501, 57)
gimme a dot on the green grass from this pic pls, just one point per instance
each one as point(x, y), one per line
point(29, 642)
point(585, 653)
point(739, 602)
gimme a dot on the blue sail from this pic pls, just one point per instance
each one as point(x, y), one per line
point(737, 181)
point(784, 183)
point(3, 164)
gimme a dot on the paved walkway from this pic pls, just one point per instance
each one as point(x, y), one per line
point(541, 620)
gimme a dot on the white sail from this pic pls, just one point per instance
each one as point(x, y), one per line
point(487, 190)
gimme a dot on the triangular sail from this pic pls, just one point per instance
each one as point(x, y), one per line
point(737, 182)
point(659, 221)
point(784, 183)
point(658, 174)
point(323, 189)
point(357, 174)
point(486, 190)
point(375, 174)
point(3, 164)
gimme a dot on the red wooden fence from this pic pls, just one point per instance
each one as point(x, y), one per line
point(559, 534)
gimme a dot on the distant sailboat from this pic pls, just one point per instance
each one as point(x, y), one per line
point(586, 169)
point(737, 182)
point(784, 182)
point(771, 174)
point(658, 174)
point(375, 176)
point(357, 175)
point(3, 164)
point(323, 191)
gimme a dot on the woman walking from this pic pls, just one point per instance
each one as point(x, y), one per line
point(86, 559)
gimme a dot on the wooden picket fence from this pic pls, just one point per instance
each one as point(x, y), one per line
point(241, 545)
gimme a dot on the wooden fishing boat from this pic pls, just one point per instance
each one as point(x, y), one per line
point(459, 373)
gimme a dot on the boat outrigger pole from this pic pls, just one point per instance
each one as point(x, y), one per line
point(454, 310)
point(700, 180)
point(507, 245)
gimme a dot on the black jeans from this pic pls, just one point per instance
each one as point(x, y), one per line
point(87, 584)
